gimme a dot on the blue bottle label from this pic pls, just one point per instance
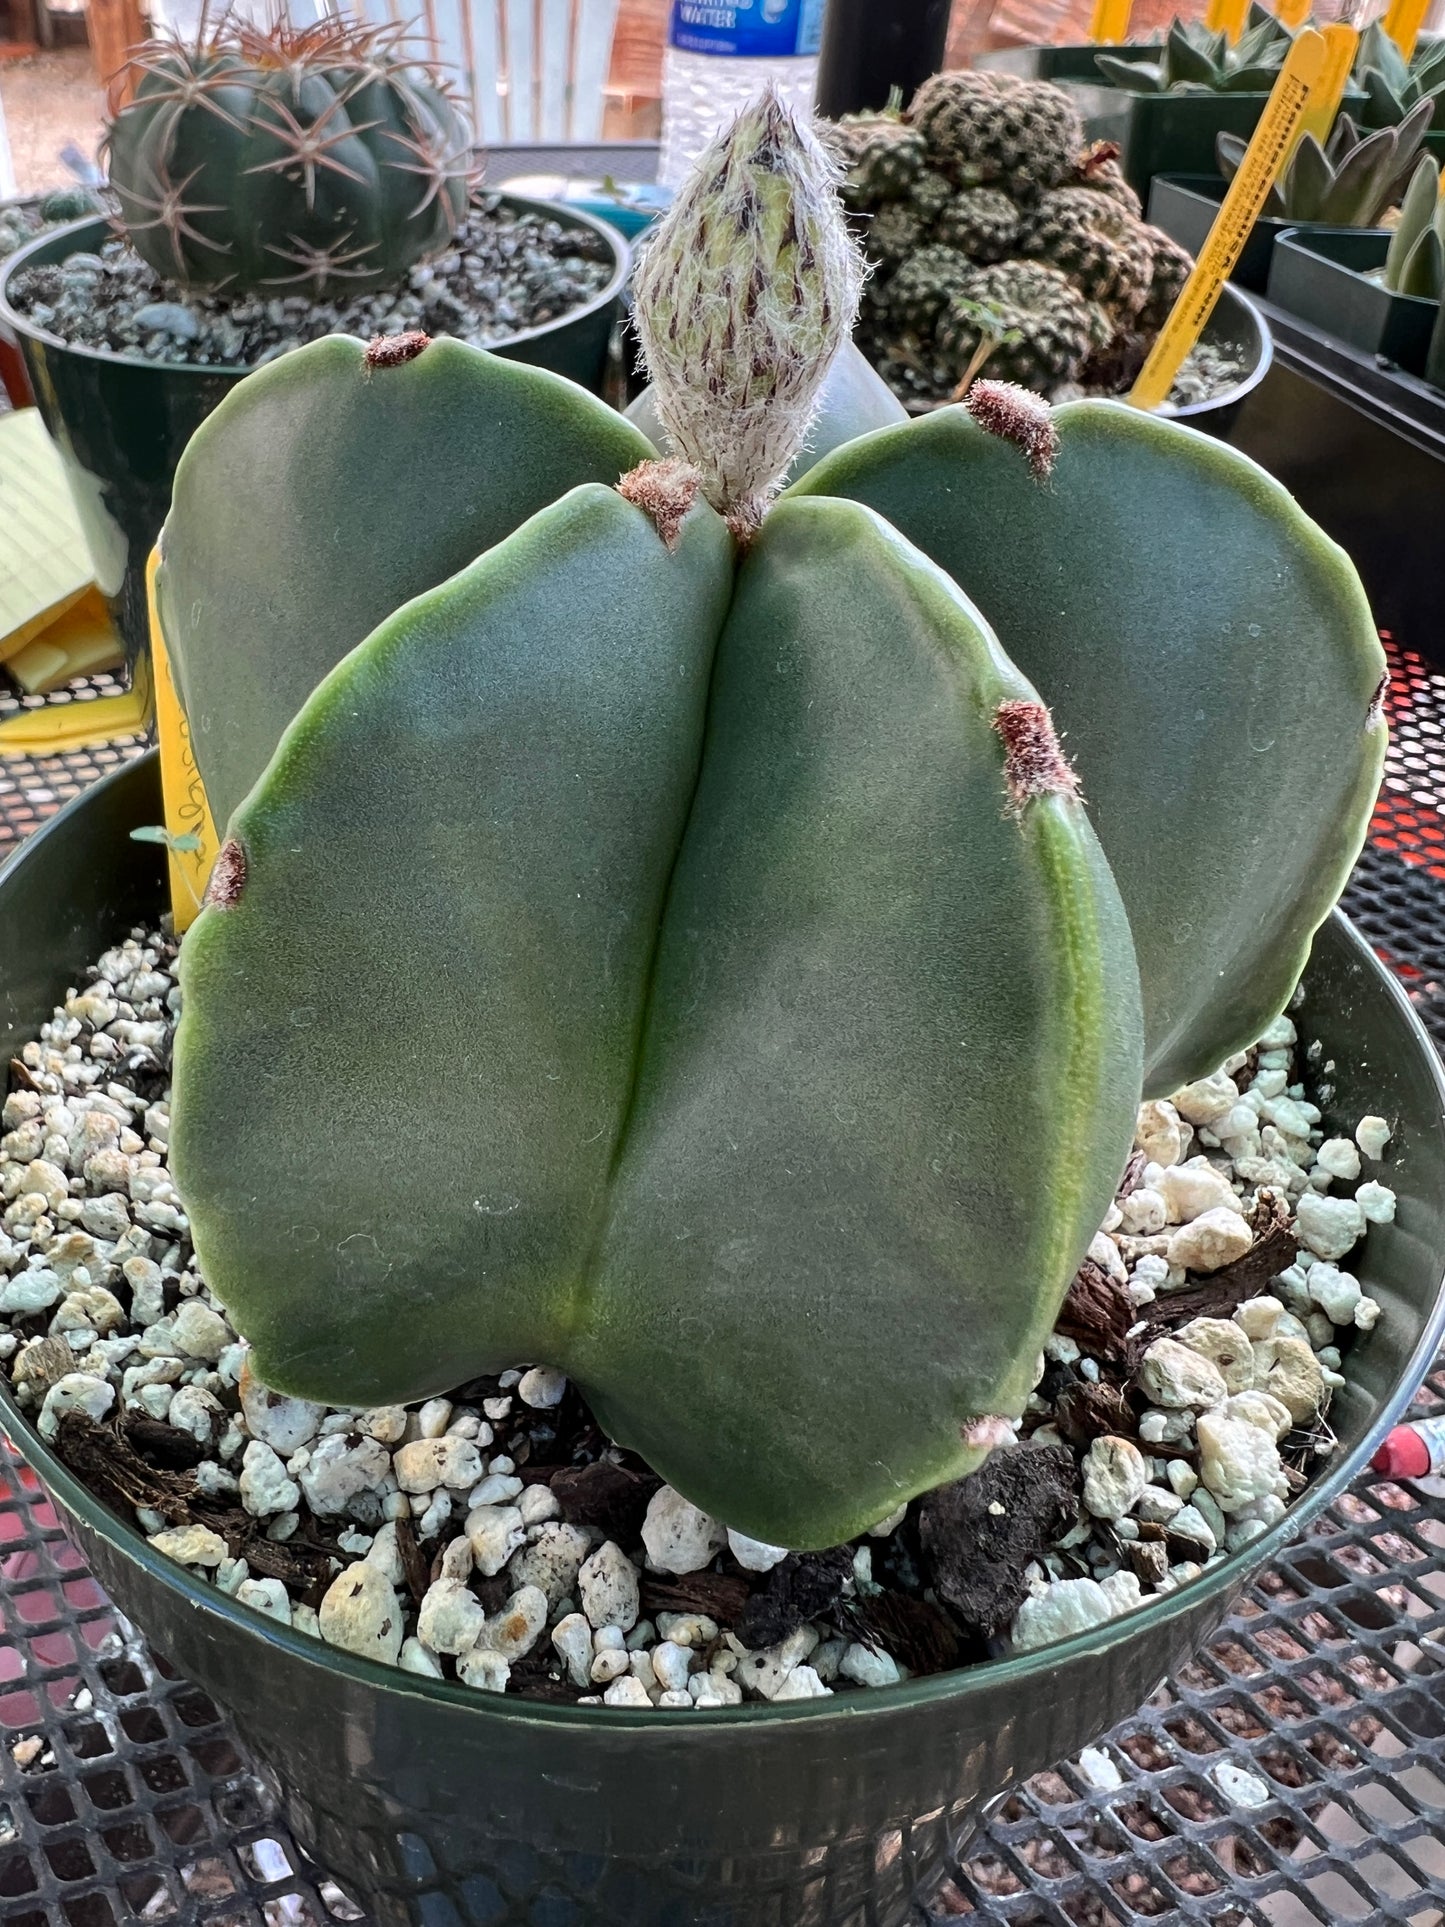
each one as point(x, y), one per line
point(754, 29)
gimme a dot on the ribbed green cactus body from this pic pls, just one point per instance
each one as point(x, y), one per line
point(455, 868)
point(1219, 693)
point(834, 1116)
point(700, 973)
point(333, 171)
point(889, 1020)
point(267, 585)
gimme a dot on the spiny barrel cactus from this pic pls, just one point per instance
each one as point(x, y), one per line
point(315, 160)
point(669, 941)
point(1349, 182)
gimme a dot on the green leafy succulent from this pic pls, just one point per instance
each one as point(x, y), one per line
point(1349, 182)
point(1392, 85)
point(1197, 61)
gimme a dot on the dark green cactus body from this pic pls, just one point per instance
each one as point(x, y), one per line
point(1204, 696)
point(530, 777)
point(707, 980)
point(317, 161)
point(394, 528)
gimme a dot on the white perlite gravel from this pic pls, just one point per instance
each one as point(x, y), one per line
point(102, 1313)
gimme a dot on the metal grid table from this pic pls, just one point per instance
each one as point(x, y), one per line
point(125, 1796)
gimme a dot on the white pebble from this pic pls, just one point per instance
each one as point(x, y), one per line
point(495, 1532)
point(191, 1545)
point(1189, 1190)
point(201, 1332)
point(1099, 1770)
point(609, 1590)
point(433, 1418)
point(1115, 1476)
point(572, 1642)
point(267, 1596)
point(414, 1658)
point(428, 1463)
point(671, 1666)
point(1334, 1291)
point(74, 1392)
point(1338, 1158)
point(537, 1505)
point(360, 1614)
point(1173, 1376)
point(542, 1388)
point(1372, 1134)
point(451, 1618)
point(1329, 1227)
point(265, 1487)
point(678, 1537)
point(865, 1667)
point(802, 1684)
point(1207, 1100)
point(1377, 1201)
point(1157, 1133)
point(1239, 1462)
point(1065, 1607)
point(626, 1692)
point(1367, 1314)
point(486, 1670)
point(1214, 1239)
point(764, 1671)
point(1241, 1789)
point(1190, 1523)
point(520, 1624)
point(1225, 1345)
point(551, 1559)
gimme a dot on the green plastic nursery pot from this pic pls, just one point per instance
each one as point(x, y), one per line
point(1060, 63)
point(1323, 276)
point(121, 421)
point(435, 1804)
point(1186, 205)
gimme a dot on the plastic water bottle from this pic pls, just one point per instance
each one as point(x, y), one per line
point(720, 55)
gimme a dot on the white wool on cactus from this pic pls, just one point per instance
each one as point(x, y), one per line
point(745, 294)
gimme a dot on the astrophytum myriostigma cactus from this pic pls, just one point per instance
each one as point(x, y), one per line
point(669, 941)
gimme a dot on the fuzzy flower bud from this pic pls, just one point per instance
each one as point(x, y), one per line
point(748, 290)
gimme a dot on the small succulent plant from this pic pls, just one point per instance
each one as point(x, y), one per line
point(1197, 61)
point(1415, 260)
point(999, 207)
point(692, 875)
point(313, 160)
point(1394, 86)
point(1349, 182)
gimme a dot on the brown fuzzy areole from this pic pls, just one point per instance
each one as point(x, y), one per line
point(390, 351)
point(1376, 711)
point(664, 490)
point(1019, 416)
point(228, 876)
point(1097, 156)
point(1034, 764)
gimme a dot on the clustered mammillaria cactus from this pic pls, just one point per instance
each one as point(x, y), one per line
point(316, 160)
point(783, 1027)
point(999, 242)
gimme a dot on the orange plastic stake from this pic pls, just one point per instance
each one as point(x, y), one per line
point(1403, 21)
point(1227, 16)
point(1110, 24)
point(1341, 45)
point(1292, 13)
point(1302, 71)
point(191, 840)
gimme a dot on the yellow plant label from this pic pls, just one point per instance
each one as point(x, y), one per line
point(192, 842)
point(1110, 24)
point(1292, 13)
point(1403, 21)
point(1227, 16)
point(1273, 138)
point(1341, 45)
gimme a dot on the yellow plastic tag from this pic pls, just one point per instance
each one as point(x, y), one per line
point(193, 842)
point(1110, 24)
point(1302, 70)
point(1403, 21)
point(1292, 13)
point(1341, 45)
point(1227, 16)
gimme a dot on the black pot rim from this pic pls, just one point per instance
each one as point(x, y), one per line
point(555, 210)
point(1024, 1670)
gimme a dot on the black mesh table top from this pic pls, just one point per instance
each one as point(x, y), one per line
point(1293, 1775)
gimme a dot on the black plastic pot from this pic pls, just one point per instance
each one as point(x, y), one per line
point(435, 1804)
point(1323, 276)
point(121, 421)
point(1185, 206)
point(1060, 63)
point(1238, 325)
